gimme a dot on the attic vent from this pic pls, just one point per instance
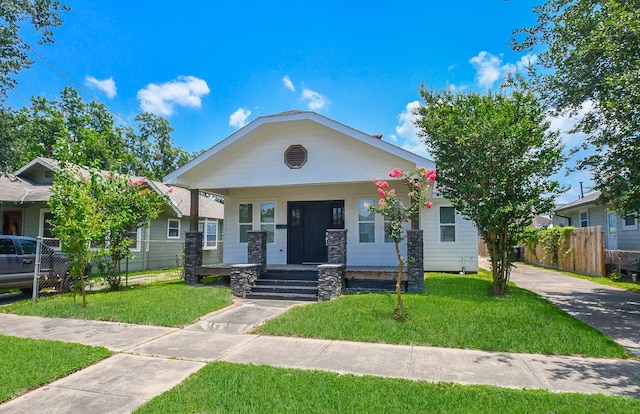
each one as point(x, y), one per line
point(295, 156)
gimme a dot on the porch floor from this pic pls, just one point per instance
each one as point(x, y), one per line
point(352, 272)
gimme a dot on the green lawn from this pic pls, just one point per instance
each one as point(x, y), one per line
point(233, 388)
point(454, 311)
point(30, 363)
point(170, 303)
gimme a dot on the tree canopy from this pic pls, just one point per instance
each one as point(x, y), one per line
point(89, 136)
point(592, 62)
point(42, 15)
point(494, 155)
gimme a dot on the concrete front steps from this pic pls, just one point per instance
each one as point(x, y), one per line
point(286, 285)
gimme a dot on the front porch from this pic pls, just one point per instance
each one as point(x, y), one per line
point(296, 280)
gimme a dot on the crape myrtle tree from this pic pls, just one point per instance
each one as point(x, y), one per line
point(418, 184)
point(78, 219)
point(127, 204)
point(111, 206)
point(495, 155)
point(42, 15)
point(590, 61)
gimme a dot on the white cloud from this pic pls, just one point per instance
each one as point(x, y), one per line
point(239, 118)
point(490, 68)
point(407, 133)
point(286, 81)
point(108, 86)
point(315, 100)
point(162, 99)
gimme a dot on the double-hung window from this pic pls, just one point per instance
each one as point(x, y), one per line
point(245, 220)
point(366, 222)
point(447, 224)
point(209, 229)
point(584, 219)
point(268, 220)
point(173, 229)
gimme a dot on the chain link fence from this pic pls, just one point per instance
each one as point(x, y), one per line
point(50, 266)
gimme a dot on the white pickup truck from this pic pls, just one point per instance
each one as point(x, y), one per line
point(18, 260)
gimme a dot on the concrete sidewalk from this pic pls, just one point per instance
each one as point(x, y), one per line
point(150, 360)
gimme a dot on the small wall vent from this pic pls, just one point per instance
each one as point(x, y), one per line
point(295, 156)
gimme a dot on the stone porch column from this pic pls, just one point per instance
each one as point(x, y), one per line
point(257, 248)
point(192, 256)
point(415, 259)
point(337, 246)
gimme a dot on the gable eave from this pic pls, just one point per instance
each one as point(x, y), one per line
point(177, 177)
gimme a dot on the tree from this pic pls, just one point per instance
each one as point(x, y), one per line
point(592, 61)
point(396, 213)
point(43, 15)
point(157, 152)
point(127, 204)
point(77, 218)
point(494, 155)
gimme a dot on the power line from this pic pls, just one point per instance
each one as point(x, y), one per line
point(61, 73)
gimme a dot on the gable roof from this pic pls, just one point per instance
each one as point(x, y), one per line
point(592, 198)
point(26, 186)
point(177, 177)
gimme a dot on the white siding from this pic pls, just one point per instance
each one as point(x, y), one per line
point(440, 256)
point(448, 256)
point(258, 159)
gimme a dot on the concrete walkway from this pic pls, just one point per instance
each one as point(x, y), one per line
point(150, 360)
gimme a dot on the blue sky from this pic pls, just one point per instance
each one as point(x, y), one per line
point(211, 67)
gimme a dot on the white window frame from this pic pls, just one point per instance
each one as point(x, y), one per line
point(169, 228)
point(441, 225)
point(268, 226)
point(244, 223)
point(580, 217)
point(137, 246)
point(202, 227)
point(372, 222)
point(628, 227)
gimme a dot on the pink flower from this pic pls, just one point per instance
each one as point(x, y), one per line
point(392, 192)
point(396, 173)
point(170, 190)
point(410, 194)
point(381, 202)
point(381, 192)
point(429, 204)
point(366, 205)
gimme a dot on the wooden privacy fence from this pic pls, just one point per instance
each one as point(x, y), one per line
point(583, 252)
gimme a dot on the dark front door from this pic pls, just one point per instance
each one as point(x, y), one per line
point(307, 228)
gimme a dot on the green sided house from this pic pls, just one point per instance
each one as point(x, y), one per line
point(298, 176)
point(24, 211)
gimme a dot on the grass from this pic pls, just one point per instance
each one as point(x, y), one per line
point(170, 303)
point(29, 363)
point(234, 388)
point(635, 287)
point(454, 311)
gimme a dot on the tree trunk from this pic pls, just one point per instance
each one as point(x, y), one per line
point(499, 254)
point(399, 308)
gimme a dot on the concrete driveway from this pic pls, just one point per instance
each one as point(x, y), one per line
point(614, 312)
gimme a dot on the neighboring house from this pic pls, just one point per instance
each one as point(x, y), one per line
point(297, 174)
point(620, 233)
point(24, 210)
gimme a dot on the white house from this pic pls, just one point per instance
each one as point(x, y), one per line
point(297, 174)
